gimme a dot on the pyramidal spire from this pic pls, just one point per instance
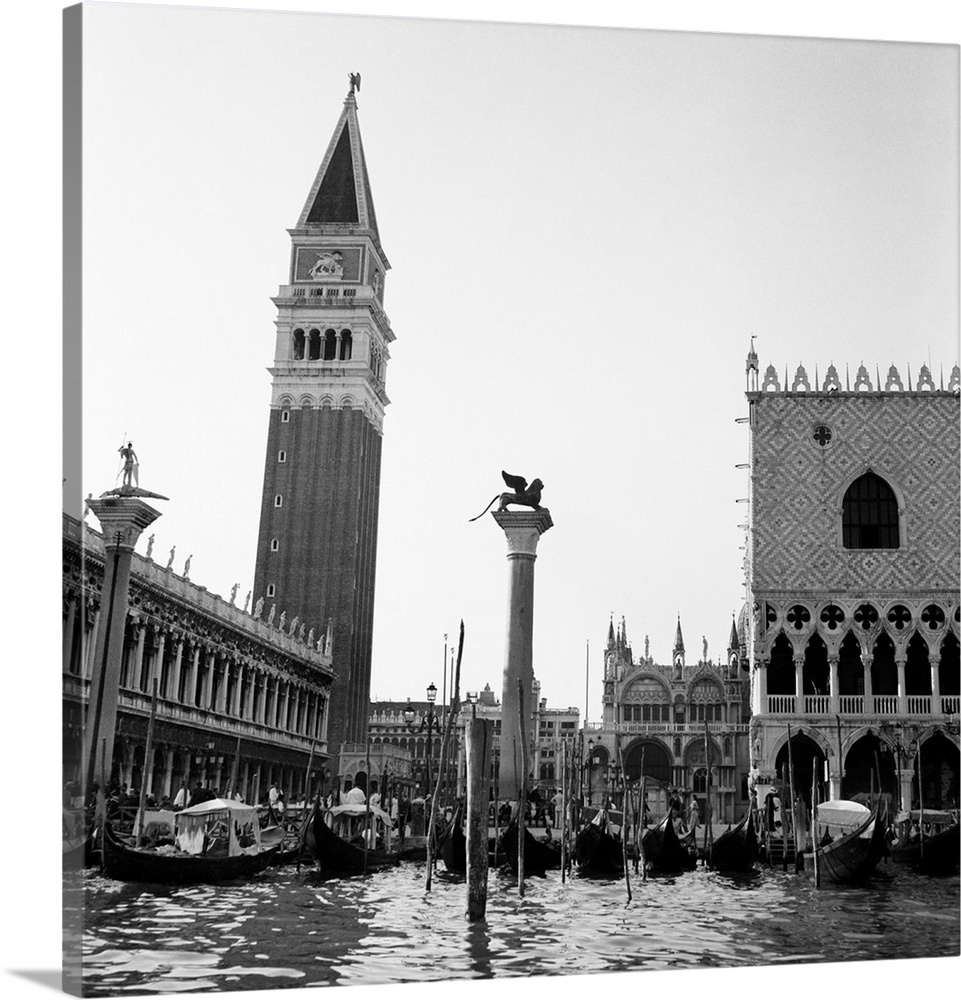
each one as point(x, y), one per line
point(340, 194)
point(678, 638)
point(733, 641)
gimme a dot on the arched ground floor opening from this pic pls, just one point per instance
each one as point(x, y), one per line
point(869, 772)
point(802, 763)
point(939, 766)
point(652, 759)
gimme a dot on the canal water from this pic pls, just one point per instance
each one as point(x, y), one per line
point(285, 929)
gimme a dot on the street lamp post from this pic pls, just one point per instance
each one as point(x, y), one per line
point(429, 724)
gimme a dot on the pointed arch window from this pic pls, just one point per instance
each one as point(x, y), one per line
point(869, 515)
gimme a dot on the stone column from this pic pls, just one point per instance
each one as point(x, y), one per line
point(523, 530)
point(136, 660)
point(935, 684)
point(324, 702)
point(206, 696)
point(157, 666)
point(899, 662)
point(834, 685)
point(868, 660)
point(89, 652)
point(238, 686)
point(168, 772)
point(122, 520)
point(173, 683)
point(761, 677)
point(68, 631)
point(799, 684)
point(221, 705)
point(190, 688)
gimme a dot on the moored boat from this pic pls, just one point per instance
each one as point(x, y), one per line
point(452, 844)
point(736, 850)
point(597, 852)
point(852, 856)
point(664, 850)
point(335, 838)
point(927, 841)
point(215, 841)
point(539, 855)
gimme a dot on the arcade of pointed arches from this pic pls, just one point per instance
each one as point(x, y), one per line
point(860, 648)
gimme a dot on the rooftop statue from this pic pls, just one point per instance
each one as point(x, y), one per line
point(523, 495)
point(354, 81)
point(131, 477)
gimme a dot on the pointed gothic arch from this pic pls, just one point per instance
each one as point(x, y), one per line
point(870, 513)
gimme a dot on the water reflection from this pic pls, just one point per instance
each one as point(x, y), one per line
point(292, 929)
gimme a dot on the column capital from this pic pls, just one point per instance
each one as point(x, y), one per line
point(523, 528)
point(122, 519)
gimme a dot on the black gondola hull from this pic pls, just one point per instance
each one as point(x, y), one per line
point(663, 850)
point(134, 864)
point(939, 854)
point(736, 850)
point(597, 853)
point(853, 857)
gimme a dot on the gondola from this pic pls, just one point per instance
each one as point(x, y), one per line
point(933, 853)
point(335, 854)
point(452, 844)
point(539, 855)
point(597, 852)
point(736, 850)
point(216, 841)
point(664, 851)
point(852, 856)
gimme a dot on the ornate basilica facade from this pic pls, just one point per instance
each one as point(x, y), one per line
point(852, 582)
point(667, 718)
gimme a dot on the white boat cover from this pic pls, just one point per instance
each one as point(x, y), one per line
point(354, 809)
point(226, 822)
point(841, 815)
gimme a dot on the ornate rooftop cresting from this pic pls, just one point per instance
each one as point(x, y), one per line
point(860, 380)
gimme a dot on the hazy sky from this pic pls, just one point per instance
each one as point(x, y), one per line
point(586, 226)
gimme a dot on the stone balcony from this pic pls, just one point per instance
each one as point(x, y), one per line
point(888, 705)
point(669, 728)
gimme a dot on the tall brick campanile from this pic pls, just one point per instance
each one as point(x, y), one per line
point(316, 551)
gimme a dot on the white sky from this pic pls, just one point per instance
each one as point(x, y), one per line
point(595, 221)
point(585, 228)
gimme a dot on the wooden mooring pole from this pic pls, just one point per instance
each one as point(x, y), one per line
point(522, 792)
point(479, 741)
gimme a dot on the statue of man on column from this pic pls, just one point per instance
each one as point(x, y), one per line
point(131, 466)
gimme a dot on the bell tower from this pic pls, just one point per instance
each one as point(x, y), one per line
point(317, 545)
